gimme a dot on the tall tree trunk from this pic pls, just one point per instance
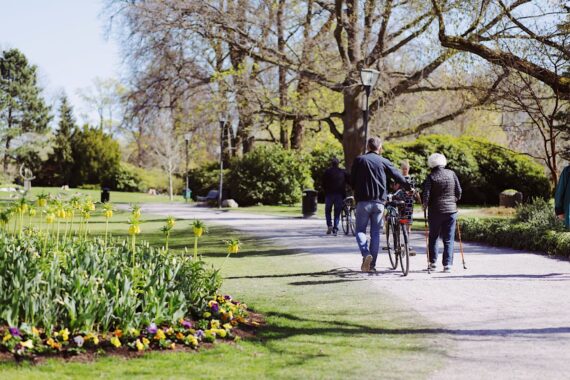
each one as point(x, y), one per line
point(283, 130)
point(298, 127)
point(8, 140)
point(353, 122)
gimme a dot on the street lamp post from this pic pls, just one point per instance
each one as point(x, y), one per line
point(187, 138)
point(369, 77)
point(222, 126)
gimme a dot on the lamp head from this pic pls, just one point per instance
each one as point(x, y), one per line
point(369, 77)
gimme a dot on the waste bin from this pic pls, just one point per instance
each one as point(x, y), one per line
point(187, 194)
point(105, 195)
point(309, 205)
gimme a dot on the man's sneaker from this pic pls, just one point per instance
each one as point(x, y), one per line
point(432, 266)
point(447, 269)
point(335, 231)
point(329, 230)
point(365, 267)
point(373, 269)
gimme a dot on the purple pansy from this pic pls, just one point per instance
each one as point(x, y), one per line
point(14, 331)
point(199, 334)
point(227, 298)
point(152, 329)
point(186, 324)
point(215, 307)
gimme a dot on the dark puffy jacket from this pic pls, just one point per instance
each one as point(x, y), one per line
point(334, 181)
point(369, 175)
point(441, 191)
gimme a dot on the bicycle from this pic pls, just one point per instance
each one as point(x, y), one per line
point(397, 236)
point(348, 216)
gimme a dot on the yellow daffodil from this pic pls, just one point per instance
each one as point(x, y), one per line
point(42, 202)
point(108, 214)
point(134, 229)
point(170, 222)
point(60, 213)
point(32, 212)
point(115, 342)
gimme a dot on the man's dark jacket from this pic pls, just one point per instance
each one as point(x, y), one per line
point(334, 181)
point(369, 176)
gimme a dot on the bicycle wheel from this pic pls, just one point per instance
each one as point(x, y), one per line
point(404, 251)
point(390, 245)
point(344, 222)
point(352, 220)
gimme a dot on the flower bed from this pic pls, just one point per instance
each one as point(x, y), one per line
point(63, 291)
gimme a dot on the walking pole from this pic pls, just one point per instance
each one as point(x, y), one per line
point(460, 244)
point(427, 240)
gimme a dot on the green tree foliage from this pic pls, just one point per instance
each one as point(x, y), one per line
point(57, 169)
point(269, 175)
point(96, 158)
point(22, 109)
point(484, 169)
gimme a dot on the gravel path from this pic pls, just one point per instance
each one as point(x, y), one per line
point(506, 317)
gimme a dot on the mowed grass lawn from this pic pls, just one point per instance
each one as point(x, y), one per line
point(322, 323)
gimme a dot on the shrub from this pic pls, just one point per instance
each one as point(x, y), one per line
point(96, 158)
point(483, 168)
point(534, 228)
point(269, 175)
point(204, 178)
point(127, 179)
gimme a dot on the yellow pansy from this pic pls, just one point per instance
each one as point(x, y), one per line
point(145, 341)
point(159, 335)
point(28, 344)
point(115, 342)
point(6, 338)
point(64, 334)
point(214, 323)
point(139, 345)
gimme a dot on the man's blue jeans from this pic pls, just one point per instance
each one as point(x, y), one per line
point(331, 200)
point(372, 212)
point(441, 225)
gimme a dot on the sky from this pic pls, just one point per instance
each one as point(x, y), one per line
point(66, 40)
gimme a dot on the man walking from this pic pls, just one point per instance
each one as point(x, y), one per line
point(334, 184)
point(369, 174)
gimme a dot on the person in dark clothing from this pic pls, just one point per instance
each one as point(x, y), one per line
point(334, 185)
point(369, 176)
point(440, 195)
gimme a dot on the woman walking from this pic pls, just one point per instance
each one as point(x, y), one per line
point(440, 195)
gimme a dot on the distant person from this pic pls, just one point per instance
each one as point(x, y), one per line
point(441, 193)
point(409, 198)
point(334, 185)
point(369, 176)
point(562, 197)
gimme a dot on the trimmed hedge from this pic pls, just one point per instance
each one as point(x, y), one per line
point(269, 175)
point(534, 228)
point(484, 169)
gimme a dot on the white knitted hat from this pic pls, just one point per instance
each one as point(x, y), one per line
point(437, 159)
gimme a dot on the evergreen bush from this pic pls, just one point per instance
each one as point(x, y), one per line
point(269, 175)
point(483, 168)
